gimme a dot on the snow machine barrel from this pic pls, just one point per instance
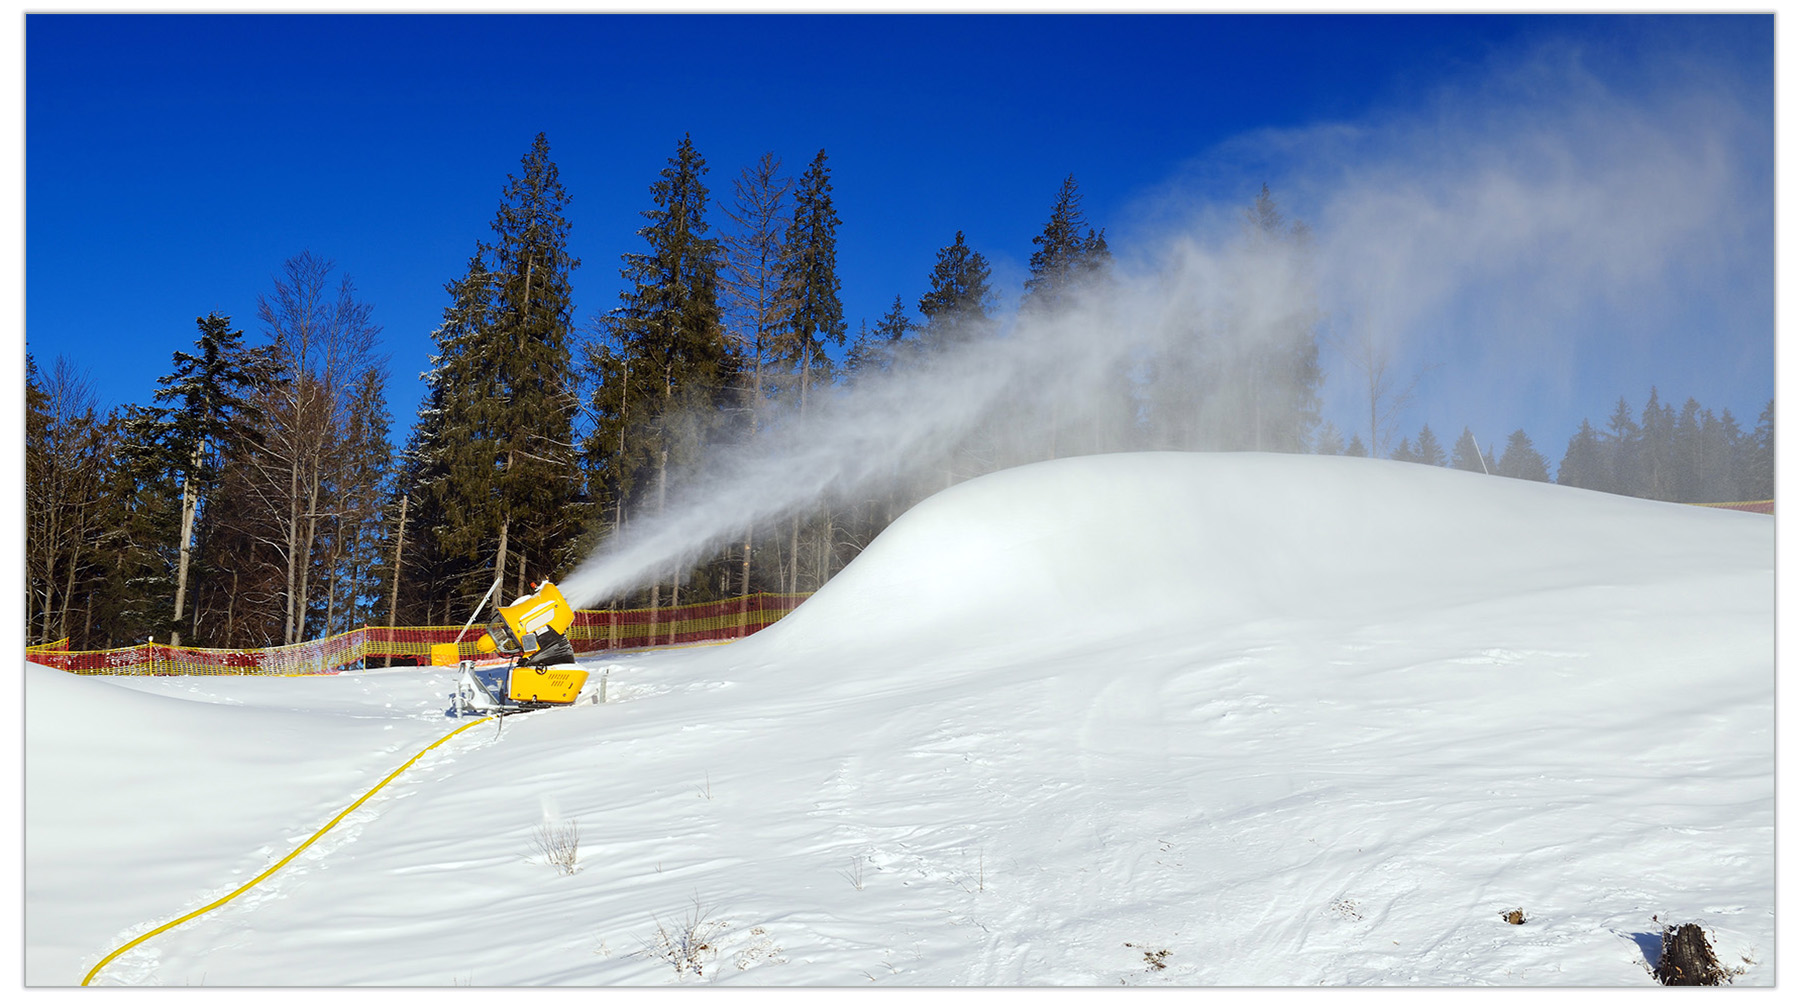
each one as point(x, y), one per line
point(535, 628)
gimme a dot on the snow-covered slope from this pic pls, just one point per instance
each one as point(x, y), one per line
point(1205, 719)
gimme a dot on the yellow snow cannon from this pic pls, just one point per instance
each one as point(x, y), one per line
point(534, 629)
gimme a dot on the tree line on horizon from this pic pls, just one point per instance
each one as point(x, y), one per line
point(260, 500)
point(1688, 455)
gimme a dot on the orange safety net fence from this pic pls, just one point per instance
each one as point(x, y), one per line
point(592, 632)
point(1753, 506)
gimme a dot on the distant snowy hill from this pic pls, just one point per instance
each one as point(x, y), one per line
point(1161, 718)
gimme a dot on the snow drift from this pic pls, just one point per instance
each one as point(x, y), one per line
point(1098, 545)
point(1197, 719)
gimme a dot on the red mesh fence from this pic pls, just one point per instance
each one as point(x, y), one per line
point(592, 632)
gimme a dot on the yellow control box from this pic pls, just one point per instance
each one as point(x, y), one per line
point(555, 686)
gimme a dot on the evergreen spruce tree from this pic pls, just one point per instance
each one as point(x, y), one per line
point(442, 555)
point(419, 578)
point(1623, 448)
point(1467, 456)
point(1403, 452)
point(1330, 441)
point(955, 312)
point(1759, 467)
point(955, 305)
point(813, 310)
point(1522, 461)
point(1429, 451)
point(668, 376)
point(460, 505)
point(1064, 255)
point(888, 343)
point(498, 468)
point(1658, 449)
point(1356, 448)
point(1718, 466)
point(815, 317)
point(612, 451)
point(864, 356)
point(1065, 260)
point(1583, 463)
point(896, 324)
point(126, 590)
point(210, 390)
point(880, 349)
point(539, 486)
point(146, 470)
point(1685, 453)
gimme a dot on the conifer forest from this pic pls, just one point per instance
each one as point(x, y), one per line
point(267, 495)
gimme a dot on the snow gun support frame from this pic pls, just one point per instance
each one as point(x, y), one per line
point(533, 630)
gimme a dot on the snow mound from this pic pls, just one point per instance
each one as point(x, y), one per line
point(1086, 546)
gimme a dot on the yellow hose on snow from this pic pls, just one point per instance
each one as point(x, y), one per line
point(221, 901)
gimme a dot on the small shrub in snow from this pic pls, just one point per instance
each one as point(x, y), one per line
point(1514, 917)
point(1345, 908)
point(685, 943)
point(560, 845)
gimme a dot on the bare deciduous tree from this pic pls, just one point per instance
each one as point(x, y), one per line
point(1374, 359)
point(64, 457)
point(751, 279)
point(323, 344)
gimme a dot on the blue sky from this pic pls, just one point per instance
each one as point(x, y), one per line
point(174, 161)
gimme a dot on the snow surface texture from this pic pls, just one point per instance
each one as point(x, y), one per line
point(1167, 718)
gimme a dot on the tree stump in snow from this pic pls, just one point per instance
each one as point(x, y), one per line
point(1688, 959)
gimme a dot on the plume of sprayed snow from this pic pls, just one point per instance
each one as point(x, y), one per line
point(1482, 226)
point(1053, 376)
point(1530, 224)
point(893, 426)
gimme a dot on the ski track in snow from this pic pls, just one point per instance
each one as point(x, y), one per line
point(1262, 720)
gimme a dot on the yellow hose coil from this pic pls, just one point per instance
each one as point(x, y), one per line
point(221, 901)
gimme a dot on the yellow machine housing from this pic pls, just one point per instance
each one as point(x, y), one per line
point(521, 626)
